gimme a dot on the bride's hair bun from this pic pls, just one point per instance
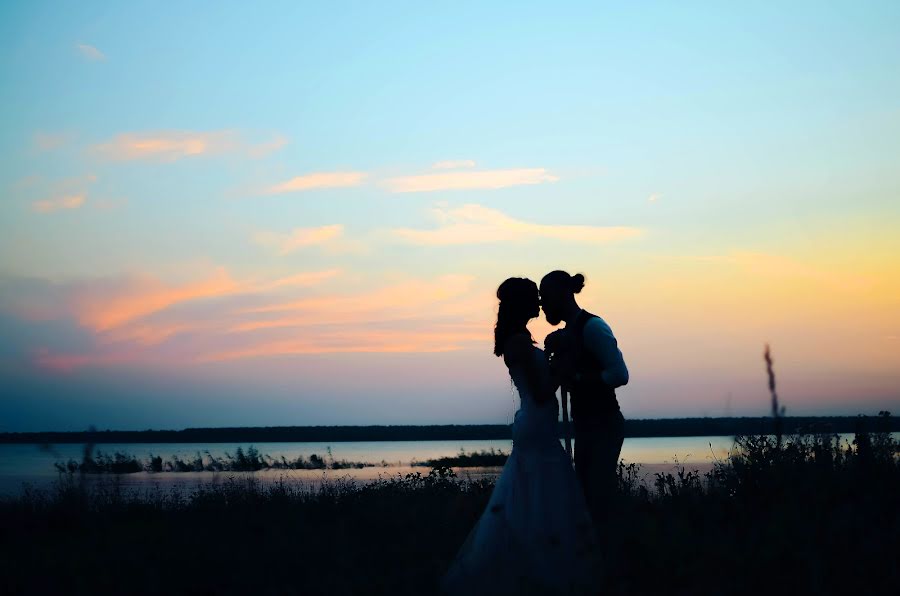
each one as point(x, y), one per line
point(577, 283)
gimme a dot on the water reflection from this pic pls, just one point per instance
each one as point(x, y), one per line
point(34, 464)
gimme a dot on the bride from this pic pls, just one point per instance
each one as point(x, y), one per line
point(535, 535)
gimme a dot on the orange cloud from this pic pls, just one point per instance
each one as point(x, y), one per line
point(420, 315)
point(105, 310)
point(59, 203)
point(172, 145)
point(166, 145)
point(137, 318)
point(299, 238)
point(150, 334)
point(475, 224)
point(468, 180)
point(319, 180)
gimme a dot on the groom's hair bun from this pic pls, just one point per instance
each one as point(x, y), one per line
point(577, 282)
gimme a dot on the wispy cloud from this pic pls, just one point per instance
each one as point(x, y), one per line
point(299, 238)
point(64, 362)
point(344, 341)
point(59, 203)
point(218, 317)
point(90, 52)
point(469, 180)
point(105, 307)
point(49, 196)
point(415, 315)
point(172, 145)
point(654, 197)
point(476, 224)
point(265, 148)
point(299, 280)
point(379, 304)
point(453, 164)
point(166, 145)
point(317, 180)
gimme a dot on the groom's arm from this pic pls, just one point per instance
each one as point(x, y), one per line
point(600, 341)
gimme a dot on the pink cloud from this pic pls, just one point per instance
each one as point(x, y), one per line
point(357, 340)
point(218, 317)
point(106, 308)
point(58, 363)
point(403, 295)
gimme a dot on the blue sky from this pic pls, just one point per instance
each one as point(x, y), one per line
point(234, 203)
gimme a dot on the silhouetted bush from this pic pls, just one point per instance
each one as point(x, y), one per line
point(478, 459)
point(242, 461)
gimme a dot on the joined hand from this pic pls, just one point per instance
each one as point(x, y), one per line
point(560, 346)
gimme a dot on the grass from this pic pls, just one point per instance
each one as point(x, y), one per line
point(805, 514)
point(250, 460)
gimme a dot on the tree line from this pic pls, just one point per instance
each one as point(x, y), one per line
point(664, 427)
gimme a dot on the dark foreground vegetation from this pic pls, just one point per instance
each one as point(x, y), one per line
point(476, 459)
point(242, 461)
point(803, 515)
point(664, 427)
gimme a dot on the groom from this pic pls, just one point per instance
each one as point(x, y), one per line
point(585, 358)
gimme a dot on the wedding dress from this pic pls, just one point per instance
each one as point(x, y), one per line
point(535, 535)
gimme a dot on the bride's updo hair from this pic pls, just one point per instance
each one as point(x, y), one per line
point(561, 280)
point(519, 303)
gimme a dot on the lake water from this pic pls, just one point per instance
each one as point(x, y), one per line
point(33, 464)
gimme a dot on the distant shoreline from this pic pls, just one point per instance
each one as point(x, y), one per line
point(665, 427)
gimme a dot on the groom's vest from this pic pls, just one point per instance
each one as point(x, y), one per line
point(591, 401)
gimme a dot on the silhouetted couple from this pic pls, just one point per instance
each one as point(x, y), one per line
point(536, 534)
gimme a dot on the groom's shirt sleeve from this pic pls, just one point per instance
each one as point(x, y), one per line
point(600, 341)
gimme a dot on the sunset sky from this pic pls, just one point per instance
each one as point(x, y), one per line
point(293, 213)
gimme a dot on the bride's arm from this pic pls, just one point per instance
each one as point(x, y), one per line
point(518, 350)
